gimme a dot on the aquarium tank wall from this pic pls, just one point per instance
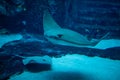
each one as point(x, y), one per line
point(59, 40)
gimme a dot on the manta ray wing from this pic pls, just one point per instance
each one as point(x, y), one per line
point(48, 22)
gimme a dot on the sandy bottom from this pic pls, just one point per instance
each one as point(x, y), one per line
point(76, 67)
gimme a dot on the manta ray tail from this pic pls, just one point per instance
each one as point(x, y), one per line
point(96, 42)
point(105, 36)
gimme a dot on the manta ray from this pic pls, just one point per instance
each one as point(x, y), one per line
point(63, 36)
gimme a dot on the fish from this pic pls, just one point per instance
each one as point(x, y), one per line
point(63, 36)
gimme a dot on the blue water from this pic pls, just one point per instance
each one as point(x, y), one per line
point(76, 40)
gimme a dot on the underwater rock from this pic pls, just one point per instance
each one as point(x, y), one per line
point(10, 15)
point(11, 7)
point(10, 65)
point(37, 64)
point(29, 54)
point(112, 52)
point(38, 46)
point(37, 67)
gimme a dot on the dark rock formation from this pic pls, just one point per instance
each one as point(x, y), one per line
point(10, 65)
point(37, 67)
point(37, 63)
point(12, 54)
point(39, 46)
